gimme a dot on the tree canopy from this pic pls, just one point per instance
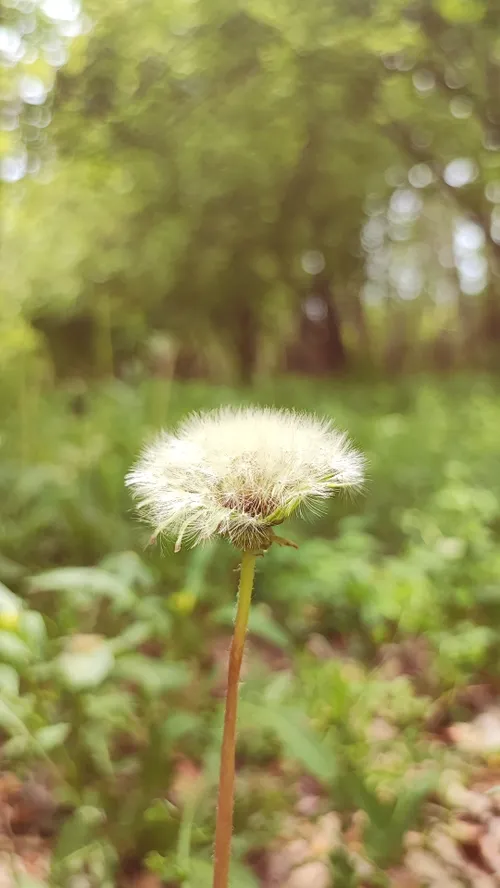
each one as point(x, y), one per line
point(266, 184)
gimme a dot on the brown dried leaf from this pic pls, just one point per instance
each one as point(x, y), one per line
point(490, 849)
point(465, 832)
point(481, 736)
point(447, 850)
point(379, 730)
point(327, 835)
point(320, 647)
point(310, 875)
point(13, 867)
point(401, 878)
point(429, 869)
point(456, 795)
point(308, 805)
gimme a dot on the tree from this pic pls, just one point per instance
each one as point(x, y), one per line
point(204, 153)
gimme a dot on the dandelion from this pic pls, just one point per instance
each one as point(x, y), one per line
point(238, 474)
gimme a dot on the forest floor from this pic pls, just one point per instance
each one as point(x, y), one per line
point(461, 848)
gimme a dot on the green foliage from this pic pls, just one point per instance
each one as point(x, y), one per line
point(106, 650)
point(198, 872)
point(290, 727)
point(85, 696)
point(205, 163)
point(260, 624)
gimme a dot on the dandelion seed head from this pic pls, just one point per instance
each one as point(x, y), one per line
point(239, 472)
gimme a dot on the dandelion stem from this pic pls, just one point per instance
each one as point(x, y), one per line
point(224, 827)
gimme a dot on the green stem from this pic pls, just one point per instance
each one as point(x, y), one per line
point(224, 827)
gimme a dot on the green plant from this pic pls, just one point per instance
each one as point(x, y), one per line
point(99, 710)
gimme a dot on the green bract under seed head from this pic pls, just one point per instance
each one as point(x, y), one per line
point(237, 473)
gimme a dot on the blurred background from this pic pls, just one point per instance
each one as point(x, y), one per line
point(207, 202)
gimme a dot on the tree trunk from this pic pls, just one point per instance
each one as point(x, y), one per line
point(490, 327)
point(360, 324)
point(335, 352)
point(70, 342)
point(246, 341)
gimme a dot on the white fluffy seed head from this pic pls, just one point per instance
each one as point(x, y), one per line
point(239, 472)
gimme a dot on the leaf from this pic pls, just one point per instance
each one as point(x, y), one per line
point(298, 740)
point(462, 11)
point(201, 874)
point(384, 833)
point(9, 601)
point(9, 680)
point(152, 610)
point(131, 638)
point(10, 570)
point(97, 744)
point(52, 736)
point(409, 802)
point(263, 625)
point(112, 707)
point(130, 568)
point(160, 811)
point(153, 676)
point(260, 623)
point(77, 833)
point(198, 563)
point(180, 724)
point(21, 737)
point(82, 670)
point(13, 650)
point(23, 880)
point(32, 628)
point(10, 721)
point(16, 747)
point(89, 581)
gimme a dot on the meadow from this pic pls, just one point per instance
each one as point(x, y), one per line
point(368, 731)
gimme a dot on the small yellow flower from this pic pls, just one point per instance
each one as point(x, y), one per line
point(9, 620)
point(183, 602)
